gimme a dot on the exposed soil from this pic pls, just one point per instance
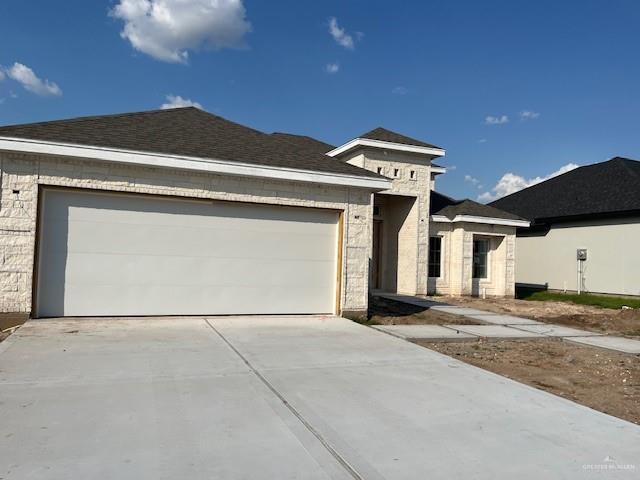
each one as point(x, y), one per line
point(596, 319)
point(605, 381)
point(389, 312)
point(8, 321)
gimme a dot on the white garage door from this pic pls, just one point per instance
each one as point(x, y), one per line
point(116, 254)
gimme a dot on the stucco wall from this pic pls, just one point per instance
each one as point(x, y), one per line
point(22, 173)
point(613, 260)
point(457, 260)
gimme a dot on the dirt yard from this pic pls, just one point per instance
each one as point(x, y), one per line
point(389, 312)
point(596, 319)
point(605, 381)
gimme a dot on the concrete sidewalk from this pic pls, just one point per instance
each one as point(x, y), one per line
point(280, 397)
point(497, 326)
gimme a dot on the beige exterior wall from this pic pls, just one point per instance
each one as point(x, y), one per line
point(21, 174)
point(613, 260)
point(411, 177)
point(457, 260)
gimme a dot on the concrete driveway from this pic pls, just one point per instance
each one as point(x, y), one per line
point(280, 398)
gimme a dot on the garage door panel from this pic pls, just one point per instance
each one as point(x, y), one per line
point(187, 213)
point(112, 254)
point(214, 272)
point(92, 237)
point(200, 300)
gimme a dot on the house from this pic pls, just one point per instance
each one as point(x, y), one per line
point(585, 229)
point(476, 248)
point(180, 212)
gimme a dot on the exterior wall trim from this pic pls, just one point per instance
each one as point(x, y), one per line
point(475, 219)
point(366, 142)
point(132, 157)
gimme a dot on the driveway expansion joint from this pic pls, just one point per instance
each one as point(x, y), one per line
point(332, 451)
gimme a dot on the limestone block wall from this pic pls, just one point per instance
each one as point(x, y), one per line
point(22, 174)
point(457, 260)
point(411, 177)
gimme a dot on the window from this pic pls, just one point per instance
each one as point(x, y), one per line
point(412, 174)
point(379, 170)
point(435, 254)
point(480, 255)
point(396, 172)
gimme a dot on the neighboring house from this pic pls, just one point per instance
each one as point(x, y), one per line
point(180, 212)
point(595, 209)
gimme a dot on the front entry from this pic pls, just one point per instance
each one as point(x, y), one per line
point(394, 255)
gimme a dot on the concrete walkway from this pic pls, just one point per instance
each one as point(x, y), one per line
point(497, 326)
point(280, 398)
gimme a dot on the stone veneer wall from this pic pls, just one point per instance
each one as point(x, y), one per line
point(414, 234)
point(21, 174)
point(457, 259)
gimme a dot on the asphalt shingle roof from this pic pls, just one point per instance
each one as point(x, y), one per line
point(450, 208)
point(610, 187)
point(186, 132)
point(385, 135)
point(304, 141)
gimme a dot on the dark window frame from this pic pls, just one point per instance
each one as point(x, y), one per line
point(435, 257)
point(481, 249)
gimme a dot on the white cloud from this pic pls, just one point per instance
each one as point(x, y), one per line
point(528, 115)
point(176, 101)
point(451, 167)
point(340, 35)
point(30, 81)
point(332, 68)
point(511, 183)
point(1, 74)
point(472, 180)
point(482, 140)
point(491, 120)
point(400, 90)
point(168, 29)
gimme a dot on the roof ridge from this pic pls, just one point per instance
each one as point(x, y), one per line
point(627, 165)
point(108, 115)
point(385, 135)
point(538, 185)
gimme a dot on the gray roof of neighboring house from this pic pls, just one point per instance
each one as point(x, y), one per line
point(607, 188)
point(385, 135)
point(186, 132)
point(450, 208)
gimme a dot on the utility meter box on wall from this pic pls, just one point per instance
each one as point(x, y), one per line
point(582, 254)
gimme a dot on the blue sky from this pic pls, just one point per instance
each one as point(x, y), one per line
point(434, 70)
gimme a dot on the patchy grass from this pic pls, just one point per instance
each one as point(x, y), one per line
point(604, 301)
